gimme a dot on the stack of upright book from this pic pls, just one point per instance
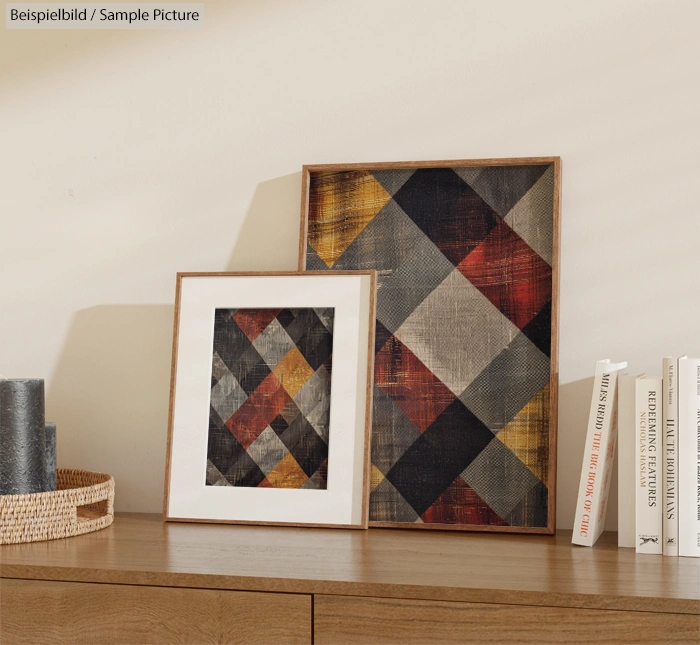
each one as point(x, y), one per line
point(655, 423)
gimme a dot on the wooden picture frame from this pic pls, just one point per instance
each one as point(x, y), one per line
point(353, 216)
point(270, 407)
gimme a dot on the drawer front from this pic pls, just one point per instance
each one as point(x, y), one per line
point(349, 619)
point(34, 611)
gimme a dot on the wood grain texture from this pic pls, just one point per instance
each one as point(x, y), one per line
point(494, 568)
point(349, 620)
point(554, 350)
point(368, 393)
point(71, 612)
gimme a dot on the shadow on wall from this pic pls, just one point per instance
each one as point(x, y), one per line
point(109, 396)
point(574, 407)
point(272, 223)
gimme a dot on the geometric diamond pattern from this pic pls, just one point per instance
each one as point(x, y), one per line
point(502, 187)
point(507, 383)
point(498, 475)
point(349, 201)
point(526, 437)
point(270, 396)
point(412, 386)
point(402, 289)
point(531, 217)
point(460, 504)
point(448, 210)
point(510, 274)
point(456, 309)
point(463, 335)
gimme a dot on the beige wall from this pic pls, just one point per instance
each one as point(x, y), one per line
point(128, 156)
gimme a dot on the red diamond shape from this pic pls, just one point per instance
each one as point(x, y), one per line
point(410, 384)
point(510, 274)
point(460, 504)
point(253, 321)
point(258, 411)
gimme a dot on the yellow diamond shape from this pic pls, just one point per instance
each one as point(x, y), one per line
point(527, 435)
point(341, 204)
point(287, 474)
point(293, 371)
point(376, 477)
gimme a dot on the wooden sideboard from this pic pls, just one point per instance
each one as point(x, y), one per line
point(143, 581)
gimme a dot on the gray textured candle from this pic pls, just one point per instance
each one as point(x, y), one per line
point(50, 483)
point(22, 436)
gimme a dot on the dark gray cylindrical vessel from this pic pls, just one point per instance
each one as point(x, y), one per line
point(22, 436)
point(50, 483)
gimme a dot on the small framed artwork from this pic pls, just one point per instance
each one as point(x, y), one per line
point(465, 383)
point(270, 400)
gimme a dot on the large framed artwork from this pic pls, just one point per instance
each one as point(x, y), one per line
point(270, 405)
point(465, 381)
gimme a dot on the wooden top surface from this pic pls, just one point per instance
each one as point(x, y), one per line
point(475, 567)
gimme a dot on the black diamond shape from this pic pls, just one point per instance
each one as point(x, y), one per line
point(447, 210)
point(539, 330)
point(245, 472)
point(279, 425)
point(306, 446)
point(304, 319)
point(314, 342)
point(438, 456)
point(255, 375)
point(285, 318)
point(230, 342)
point(223, 449)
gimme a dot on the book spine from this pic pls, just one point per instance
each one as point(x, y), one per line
point(608, 456)
point(626, 491)
point(670, 456)
point(689, 457)
point(649, 518)
point(591, 491)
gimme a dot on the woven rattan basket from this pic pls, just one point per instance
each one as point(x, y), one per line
point(84, 502)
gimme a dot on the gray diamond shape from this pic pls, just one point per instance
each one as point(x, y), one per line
point(214, 476)
point(267, 450)
point(469, 173)
point(313, 262)
point(499, 477)
point(384, 244)
point(532, 218)
point(227, 396)
point(326, 315)
point(319, 417)
point(401, 291)
point(388, 505)
point(218, 367)
point(393, 178)
point(313, 392)
point(502, 389)
point(273, 343)
point(456, 332)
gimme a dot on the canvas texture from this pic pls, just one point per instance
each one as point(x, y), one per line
point(463, 335)
point(270, 398)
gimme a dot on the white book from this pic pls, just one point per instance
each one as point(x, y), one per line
point(649, 517)
point(626, 459)
point(670, 455)
point(598, 455)
point(689, 457)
